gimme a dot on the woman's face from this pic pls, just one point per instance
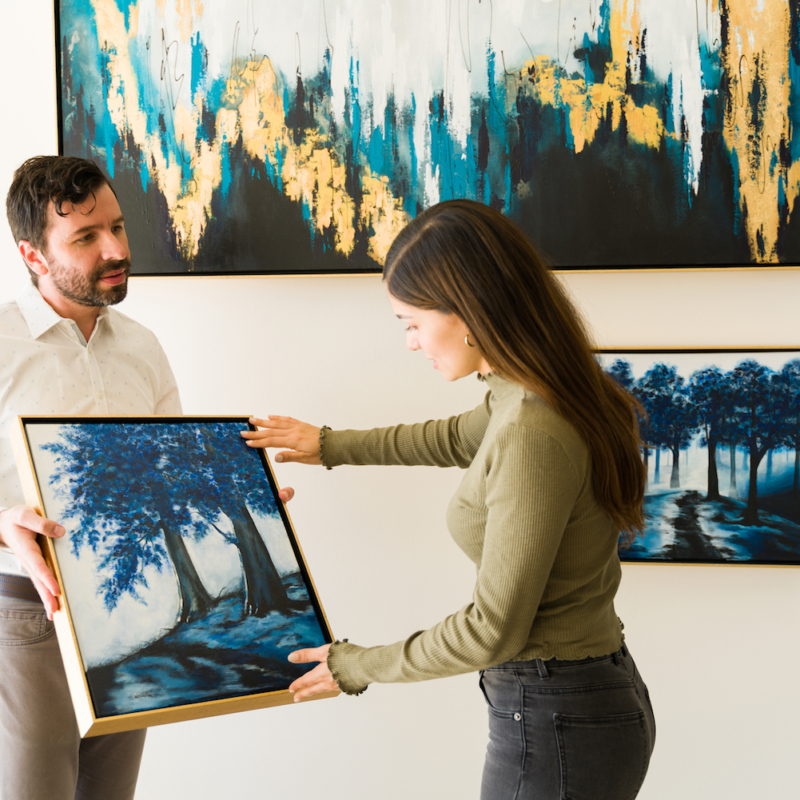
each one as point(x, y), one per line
point(440, 336)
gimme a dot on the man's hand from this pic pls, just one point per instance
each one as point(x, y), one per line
point(19, 527)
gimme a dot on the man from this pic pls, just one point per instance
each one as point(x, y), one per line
point(62, 351)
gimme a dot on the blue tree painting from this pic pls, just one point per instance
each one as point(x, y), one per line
point(726, 425)
point(183, 578)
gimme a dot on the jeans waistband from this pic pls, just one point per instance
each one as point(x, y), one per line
point(18, 586)
point(543, 666)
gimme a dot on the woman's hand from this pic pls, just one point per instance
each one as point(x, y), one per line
point(316, 681)
point(301, 438)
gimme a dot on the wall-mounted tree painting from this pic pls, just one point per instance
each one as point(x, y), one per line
point(722, 447)
point(184, 588)
point(250, 136)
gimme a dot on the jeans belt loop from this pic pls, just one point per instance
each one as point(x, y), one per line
point(542, 668)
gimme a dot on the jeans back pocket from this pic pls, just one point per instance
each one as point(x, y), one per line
point(602, 757)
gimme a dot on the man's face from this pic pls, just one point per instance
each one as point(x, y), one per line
point(87, 255)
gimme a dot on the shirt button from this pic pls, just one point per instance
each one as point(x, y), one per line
point(99, 395)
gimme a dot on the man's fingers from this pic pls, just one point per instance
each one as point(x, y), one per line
point(45, 583)
point(47, 591)
point(25, 518)
point(50, 528)
point(30, 556)
point(286, 494)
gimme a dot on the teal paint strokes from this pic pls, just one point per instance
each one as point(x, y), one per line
point(375, 152)
point(199, 66)
point(508, 134)
point(144, 174)
point(415, 165)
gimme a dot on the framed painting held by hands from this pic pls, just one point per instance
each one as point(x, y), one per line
point(183, 585)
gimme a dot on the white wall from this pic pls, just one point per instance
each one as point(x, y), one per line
point(718, 646)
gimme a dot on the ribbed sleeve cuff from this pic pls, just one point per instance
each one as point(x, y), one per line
point(341, 662)
point(333, 448)
point(323, 431)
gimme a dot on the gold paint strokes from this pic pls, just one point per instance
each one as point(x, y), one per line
point(755, 58)
point(185, 9)
point(311, 171)
point(589, 106)
point(133, 17)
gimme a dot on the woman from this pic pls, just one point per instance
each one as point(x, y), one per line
point(553, 474)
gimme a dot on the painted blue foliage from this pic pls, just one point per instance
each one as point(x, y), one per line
point(138, 489)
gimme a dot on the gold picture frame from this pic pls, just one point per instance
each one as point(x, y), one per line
point(183, 584)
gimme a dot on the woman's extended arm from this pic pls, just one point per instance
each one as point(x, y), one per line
point(531, 488)
point(450, 442)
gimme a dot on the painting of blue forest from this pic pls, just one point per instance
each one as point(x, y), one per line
point(253, 136)
point(183, 580)
point(721, 436)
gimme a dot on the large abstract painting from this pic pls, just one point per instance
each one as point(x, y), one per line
point(256, 136)
point(184, 586)
point(722, 447)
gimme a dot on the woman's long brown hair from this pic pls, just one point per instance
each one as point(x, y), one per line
point(465, 258)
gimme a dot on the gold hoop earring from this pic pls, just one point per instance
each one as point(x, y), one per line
point(467, 342)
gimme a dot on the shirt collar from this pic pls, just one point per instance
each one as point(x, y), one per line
point(41, 317)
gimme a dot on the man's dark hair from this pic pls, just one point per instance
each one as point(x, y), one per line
point(42, 180)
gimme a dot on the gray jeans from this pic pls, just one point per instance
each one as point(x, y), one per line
point(41, 753)
point(567, 730)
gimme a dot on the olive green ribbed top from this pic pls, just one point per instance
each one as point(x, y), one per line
point(525, 514)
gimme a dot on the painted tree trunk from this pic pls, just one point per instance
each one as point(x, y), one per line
point(646, 466)
point(750, 516)
point(796, 479)
point(657, 475)
point(713, 476)
point(264, 589)
point(194, 598)
point(675, 477)
point(732, 489)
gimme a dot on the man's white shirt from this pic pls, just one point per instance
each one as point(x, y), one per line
point(47, 367)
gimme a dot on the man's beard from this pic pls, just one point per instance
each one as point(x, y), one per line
point(84, 290)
